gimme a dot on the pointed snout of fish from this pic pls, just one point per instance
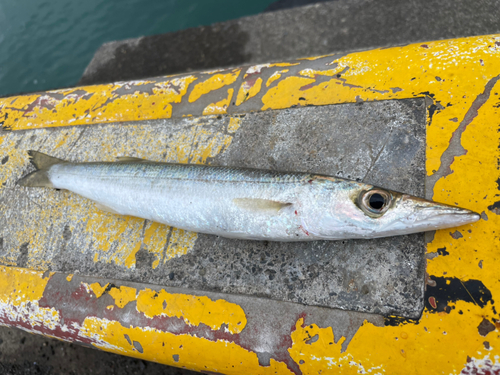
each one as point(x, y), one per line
point(443, 216)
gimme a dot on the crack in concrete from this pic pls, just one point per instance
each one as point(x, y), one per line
point(455, 147)
point(378, 156)
point(76, 142)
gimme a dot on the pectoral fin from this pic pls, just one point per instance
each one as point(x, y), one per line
point(260, 205)
point(106, 209)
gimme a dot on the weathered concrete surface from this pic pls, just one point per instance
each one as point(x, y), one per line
point(327, 27)
point(417, 20)
point(174, 325)
point(23, 353)
point(381, 143)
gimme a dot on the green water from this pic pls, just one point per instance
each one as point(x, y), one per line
point(48, 44)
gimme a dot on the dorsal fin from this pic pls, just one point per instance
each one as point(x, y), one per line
point(130, 159)
point(260, 205)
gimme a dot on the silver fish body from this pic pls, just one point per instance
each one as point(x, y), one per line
point(249, 204)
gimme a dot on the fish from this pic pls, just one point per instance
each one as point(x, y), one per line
point(248, 204)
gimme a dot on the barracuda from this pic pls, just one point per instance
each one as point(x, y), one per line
point(246, 203)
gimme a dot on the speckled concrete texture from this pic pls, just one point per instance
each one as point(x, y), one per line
point(381, 143)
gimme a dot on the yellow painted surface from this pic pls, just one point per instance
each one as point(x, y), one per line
point(194, 310)
point(258, 68)
point(248, 90)
point(97, 289)
point(181, 242)
point(21, 285)
point(116, 102)
point(155, 239)
point(123, 295)
point(102, 236)
point(213, 83)
point(275, 77)
point(20, 291)
point(219, 107)
point(194, 353)
point(454, 73)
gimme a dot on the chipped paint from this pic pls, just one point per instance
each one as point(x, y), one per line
point(257, 69)
point(453, 74)
point(192, 309)
point(181, 242)
point(193, 353)
point(124, 101)
point(276, 76)
point(215, 82)
point(248, 90)
point(103, 237)
point(219, 107)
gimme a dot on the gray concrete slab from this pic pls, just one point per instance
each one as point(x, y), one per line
point(382, 143)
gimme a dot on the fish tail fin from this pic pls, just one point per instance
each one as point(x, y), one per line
point(42, 163)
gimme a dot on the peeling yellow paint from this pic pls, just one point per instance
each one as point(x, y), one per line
point(219, 107)
point(215, 82)
point(257, 69)
point(276, 76)
point(20, 291)
point(123, 295)
point(19, 285)
point(313, 73)
point(248, 90)
point(181, 242)
point(194, 310)
point(402, 72)
point(95, 104)
point(191, 352)
point(315, 57)
point(155, 239)
point(106, 229)
point(69, 277)
point(97, 289)
point(213, 144)
point(323, 354)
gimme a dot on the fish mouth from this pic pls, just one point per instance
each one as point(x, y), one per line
point(450, 220)
point(444, 216)
point(424, 216)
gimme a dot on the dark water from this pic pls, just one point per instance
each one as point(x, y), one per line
point(48, 44)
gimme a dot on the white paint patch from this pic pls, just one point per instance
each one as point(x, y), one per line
point(483, 366)
point(257, 68)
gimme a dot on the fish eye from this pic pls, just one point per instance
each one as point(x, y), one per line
point(375, 202)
